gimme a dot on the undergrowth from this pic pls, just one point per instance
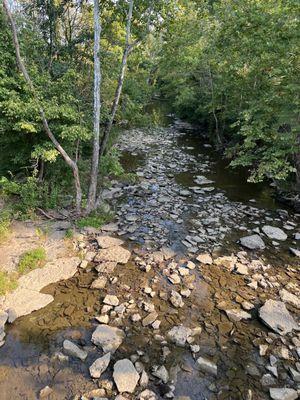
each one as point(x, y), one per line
point(32, 259)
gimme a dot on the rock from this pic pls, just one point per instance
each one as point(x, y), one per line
point(237, 315)
point(205, 258)
point(253, 242)
point(105, 242)
point(144, 380)
point(150, 318)
point(125, 376)
point(147, 395)
point(73, 350)
point(241, 269)
point(103, 319)
point(283, 394)
point(205, 365)
point(176, 299)
point(113, 254)
point(179, 335)
point(276, 316)
point(106, 267)
point(274, 233)
point(24, 301)
point(268, 380)
point(290, 298)
point(108, 338)
point(295, 252)
point(45, 392)
point(99, 283)
point(161, 373)
point(175, 279)
point(99, 366)
point(111, 300)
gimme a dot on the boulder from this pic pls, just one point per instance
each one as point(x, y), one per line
point(99, 366)
point(274, 233)
point(253, 242)
point(105, 242)
point(125, 376)
point(108, 338)
point(114, 254)
point(283, 394)
point(276, 316)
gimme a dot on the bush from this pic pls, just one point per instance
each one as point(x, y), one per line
point(31, 260)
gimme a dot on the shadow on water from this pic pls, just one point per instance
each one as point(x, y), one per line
point(232, 181)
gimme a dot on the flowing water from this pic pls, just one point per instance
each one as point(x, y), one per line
point(166, 209)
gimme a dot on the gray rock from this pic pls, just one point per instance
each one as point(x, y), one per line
point(99, 366)
point(111, 300)
point(253, 242)
point(276, 316)
point(161, 373)
point(237, 315)
point(283, 394)
point(108, 338)
point(295, 252)
point(179, 335)
point(150, 318)
point(290, 298)
point(99, 283)
point(147, 395)
point(105, 242)
point(206, 365)
point(125, 376)
point(113, 254)
point(73, 350)
point(274, 233)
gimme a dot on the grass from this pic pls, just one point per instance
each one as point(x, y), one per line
point(31, 260)
point(4, 225)
point(95, 220)
point(69, 233)
point(7, 283)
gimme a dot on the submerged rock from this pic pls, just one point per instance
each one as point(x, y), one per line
point(205, 365)
point(276, 316)
point(73, 350)
point(108, 338)
point(253, 242)
point(125, 376)
point(179, 335)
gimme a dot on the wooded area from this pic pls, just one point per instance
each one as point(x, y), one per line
point(72, 70)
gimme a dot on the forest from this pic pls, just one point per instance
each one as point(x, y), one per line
point(231, 68)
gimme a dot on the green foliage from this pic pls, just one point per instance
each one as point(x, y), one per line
point(110, 163)
point(234, 67)
point(31, 260)
point(7, 283)
point(69, 234)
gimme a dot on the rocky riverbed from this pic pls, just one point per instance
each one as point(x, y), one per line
point(191, 293)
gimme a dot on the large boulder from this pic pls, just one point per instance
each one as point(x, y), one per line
point(276, 316)
point(253, 242)
point(108, 338)
point(274, 233)
point(125, 376)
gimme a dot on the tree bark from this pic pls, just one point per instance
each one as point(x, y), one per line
point(47, 129)
point(97, 109)
point(114, 108)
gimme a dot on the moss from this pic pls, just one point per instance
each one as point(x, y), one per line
point(31, 260)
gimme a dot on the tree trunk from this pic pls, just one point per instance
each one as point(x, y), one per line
point(297, 161)
point(118, 92)
point(47, 129)
point(97, 109)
